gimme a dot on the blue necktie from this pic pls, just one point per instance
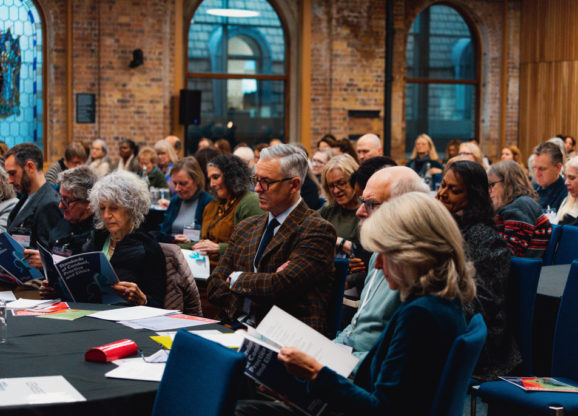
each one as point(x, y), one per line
point(267, 237)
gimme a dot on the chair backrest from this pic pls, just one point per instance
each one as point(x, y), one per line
point(567, 250)
point(201, 378)
point(335, 304)
point(522, 289)
point(552, 245)
point(451, 395)
point(564, 359)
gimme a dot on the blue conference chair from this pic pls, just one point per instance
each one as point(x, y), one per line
point(335, 305)
point(451, 395)
point(552, 245)
point(201, 378)
point(567, 249)
point(564, 366)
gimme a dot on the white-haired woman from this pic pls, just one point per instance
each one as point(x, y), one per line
point(166, 158)
point(421, 255)
point(98, 159)
point(120, 202)
point(568, 212)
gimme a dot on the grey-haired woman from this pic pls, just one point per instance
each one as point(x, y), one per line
point(98, 159)
point(120, 202)
point(7, 199)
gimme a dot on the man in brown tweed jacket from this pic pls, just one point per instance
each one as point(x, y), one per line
point(283, 258)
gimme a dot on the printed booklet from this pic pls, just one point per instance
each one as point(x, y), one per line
point(16, 268)
point(541, 384)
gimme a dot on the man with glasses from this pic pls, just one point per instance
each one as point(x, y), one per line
point(37, 212)
point(377, 302)
point(282, 258)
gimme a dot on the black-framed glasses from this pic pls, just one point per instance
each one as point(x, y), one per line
point(342, 185)
point(265, 184)
point(67, 203)
point(492, 184)
point(370, 206)
point(153, 362)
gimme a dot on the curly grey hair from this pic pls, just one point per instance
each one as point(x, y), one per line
point(125, 190)
point(6, 190)
point(293, 160)
point(79, 181)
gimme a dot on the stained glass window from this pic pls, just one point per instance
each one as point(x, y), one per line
point(21, 65)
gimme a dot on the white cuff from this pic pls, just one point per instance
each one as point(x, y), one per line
point(234, 276)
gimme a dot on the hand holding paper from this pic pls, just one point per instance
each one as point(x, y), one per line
point(299, 364)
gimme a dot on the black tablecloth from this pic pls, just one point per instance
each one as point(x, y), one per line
point(49, 347)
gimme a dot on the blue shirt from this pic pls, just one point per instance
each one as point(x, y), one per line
point(552, 195)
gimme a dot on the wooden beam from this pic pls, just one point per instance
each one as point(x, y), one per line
point(504, 79)
point(69, 98)
point(305, 76)
point(179, 68)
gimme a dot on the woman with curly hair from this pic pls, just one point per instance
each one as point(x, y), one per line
point(229, 177)
point(464, 192)
point(120, 202)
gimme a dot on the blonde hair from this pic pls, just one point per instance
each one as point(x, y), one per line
point(423, 247)
point(476, 152)
point(346, 164)
point(515, 181)
point(165, 147)
point(433, 154)
point(150, 152)
point(570, 201)
point(516, 152)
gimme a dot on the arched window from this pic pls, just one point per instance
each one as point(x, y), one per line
point(236, 58)
point(21, 66)
point(442, 78)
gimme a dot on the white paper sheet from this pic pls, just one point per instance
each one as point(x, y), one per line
point(7, 296)
point(200, 269)
point(27, 303)
point(163, 323)
point(131, 313)
point(37, 390)
point(285, 330)
point(228, 340)
point(192, 331)
point(138, 370)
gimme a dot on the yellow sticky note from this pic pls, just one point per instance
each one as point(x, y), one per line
point(165, 341)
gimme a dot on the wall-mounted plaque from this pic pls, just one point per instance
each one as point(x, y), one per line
point(85, 108)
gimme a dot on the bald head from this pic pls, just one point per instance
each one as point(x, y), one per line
point(389, 183)
point(246, 154)
point(369, 146)
point(175, 142)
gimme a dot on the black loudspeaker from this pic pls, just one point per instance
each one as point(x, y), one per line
point(190, 107)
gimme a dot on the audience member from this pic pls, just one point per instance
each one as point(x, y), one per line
point(359, 178)
point(310, 188)
point(570, 145)
point(342, 202)
point(166, 157)
point(421, 255)
point(519, 217)
point(471, 151)
point(378, 302)
point(204, 156)
point(69, 235)
point(368, 145)
point(187, 206)
point(247, 155)
point(98, 159)
point(128, 161)
point(37, 212)
point(74, 155)
point(175, 142)
point(320, 159)
point(3, 148)
point(8, 200)
point(275, 142)
point(464, 192)
point(258, 149)
point(547, 165)
point(327, 141)
point(560, 143)
point(204, 142)
point(223, 146)
point(230, 180)
point(250, 278)
point(485, 160)
point(424, 152)
point(239, 145)
point(568, 212)
point(452, 149)
point(345, 147)
point(148, 160)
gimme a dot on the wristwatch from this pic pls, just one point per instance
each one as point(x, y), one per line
point(343, 240)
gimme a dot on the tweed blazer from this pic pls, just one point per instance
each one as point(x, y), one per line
point(302, 289)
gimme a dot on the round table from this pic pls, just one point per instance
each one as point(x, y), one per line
point(50, 347)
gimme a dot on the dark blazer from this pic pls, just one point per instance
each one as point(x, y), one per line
point(552, 195)
point(409, 357)
point(173, 211)
point(301, 289)
point(40, 215)
point(71, 236)
point(139, 259)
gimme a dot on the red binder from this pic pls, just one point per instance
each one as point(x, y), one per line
point(111, 352)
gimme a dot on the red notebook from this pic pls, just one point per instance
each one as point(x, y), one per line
point(111, 352)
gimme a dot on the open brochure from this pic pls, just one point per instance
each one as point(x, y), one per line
point(198, 264)
point(86, 277)
point(278, 329)
point(16, 268)
point(541, 384)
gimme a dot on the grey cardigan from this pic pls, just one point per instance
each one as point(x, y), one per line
point(6, 208)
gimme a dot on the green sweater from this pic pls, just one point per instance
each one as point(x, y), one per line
point(344, 221)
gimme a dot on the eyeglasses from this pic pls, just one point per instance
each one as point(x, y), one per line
point(370, 206)
point(155, 360)
point(465, 153)
point(492, 184)
point(339, 185)
point(67, 203)
point(265, 184)
point(318, 162)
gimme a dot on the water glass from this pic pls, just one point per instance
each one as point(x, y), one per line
point(3, 323)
